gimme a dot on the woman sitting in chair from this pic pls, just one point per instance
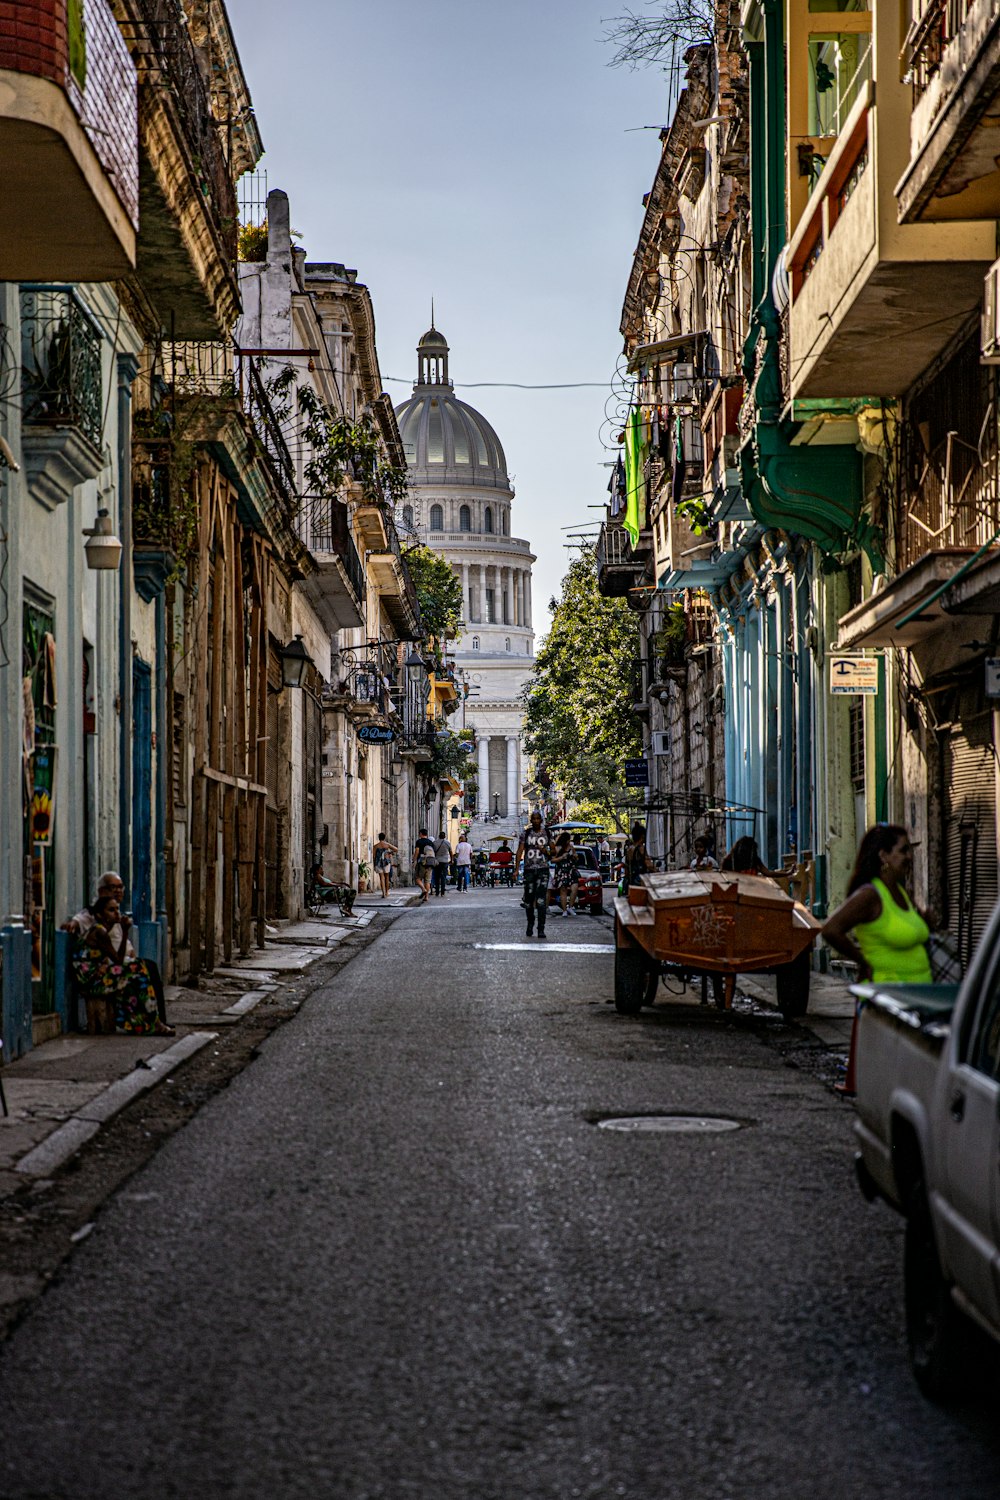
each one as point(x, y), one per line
point(106, 968)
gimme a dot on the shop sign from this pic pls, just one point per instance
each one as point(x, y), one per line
point(376, 734)
point(637, 773)
point(854, 674)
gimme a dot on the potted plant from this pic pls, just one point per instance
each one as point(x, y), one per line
point(364, 874)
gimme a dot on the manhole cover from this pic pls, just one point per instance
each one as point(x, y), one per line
point(669, 1124)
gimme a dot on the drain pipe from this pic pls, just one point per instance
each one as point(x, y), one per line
point(127, 371)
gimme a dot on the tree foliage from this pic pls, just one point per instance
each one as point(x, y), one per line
point(579, 723)
point(439, 594)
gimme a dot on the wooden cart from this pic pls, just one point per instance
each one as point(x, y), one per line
point(711, 923)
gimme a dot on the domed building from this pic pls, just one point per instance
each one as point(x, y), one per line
point(460, 506)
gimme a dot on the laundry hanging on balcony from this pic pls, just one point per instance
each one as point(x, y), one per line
point(617, 489)
point(635, 483)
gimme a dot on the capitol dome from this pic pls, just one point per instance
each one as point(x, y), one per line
point(446, 441)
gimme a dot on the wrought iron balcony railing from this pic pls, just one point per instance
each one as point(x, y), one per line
point(60, 362)
point(330, 533)
point(168, 56)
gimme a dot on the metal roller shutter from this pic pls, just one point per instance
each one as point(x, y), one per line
point(970, 834)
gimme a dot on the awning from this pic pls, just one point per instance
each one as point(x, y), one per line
point(652, 354)
point(708, 573)
point(879, 620)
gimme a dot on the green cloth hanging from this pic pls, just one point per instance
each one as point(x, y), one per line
point(635, 484)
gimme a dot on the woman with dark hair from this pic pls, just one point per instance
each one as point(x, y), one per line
point(567, 873)
point(890, 933)
point(744, 858)
point(637, 860)
point(106, 969)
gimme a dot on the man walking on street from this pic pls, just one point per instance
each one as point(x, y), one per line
point(442, 858)
point(536, 848)
point(423, 864)
point(463, 863)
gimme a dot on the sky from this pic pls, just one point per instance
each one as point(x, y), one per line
point(486, 155)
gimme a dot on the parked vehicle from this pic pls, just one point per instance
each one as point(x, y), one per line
point(590, 890)
point(928, 1100)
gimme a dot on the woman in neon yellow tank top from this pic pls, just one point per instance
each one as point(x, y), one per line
point(890, 933)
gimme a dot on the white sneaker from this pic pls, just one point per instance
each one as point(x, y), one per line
point(570, 912)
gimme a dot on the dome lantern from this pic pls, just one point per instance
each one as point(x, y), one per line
point(432, 357)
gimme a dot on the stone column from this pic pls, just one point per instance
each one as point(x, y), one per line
point(513, 789)
point(482, 592)
point(517, 595)
point(483, 746)
point(527, 597)
point(466, 594)
point(497, 594)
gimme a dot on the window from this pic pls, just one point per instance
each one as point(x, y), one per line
point(408, 516)
point(465, 519)
point(437, 518)
point(490, 608)
point(506, 524)
point(488, 520)
point(506, 643)
point(475, 643)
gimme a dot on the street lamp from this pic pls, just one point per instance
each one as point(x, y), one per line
point(102, 548)
point(294, 661)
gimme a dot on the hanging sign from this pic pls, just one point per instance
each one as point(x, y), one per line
point(637, 773)
point(376, 734)
point(854, 674)
point(993, 677)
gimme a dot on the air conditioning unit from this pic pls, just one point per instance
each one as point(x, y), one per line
point(661, 742)
point(683, 382)
point(990, 327)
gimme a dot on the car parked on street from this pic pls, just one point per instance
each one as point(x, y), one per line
point(590, 890)
point(928, 1101)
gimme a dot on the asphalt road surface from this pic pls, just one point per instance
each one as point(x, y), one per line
point(400, 1257)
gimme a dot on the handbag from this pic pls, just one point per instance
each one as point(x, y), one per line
point(946, 966)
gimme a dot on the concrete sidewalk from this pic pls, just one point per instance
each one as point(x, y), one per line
point(62, 1092)
point(831, 1005)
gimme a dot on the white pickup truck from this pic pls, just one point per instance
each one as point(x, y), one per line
point(928, 1101)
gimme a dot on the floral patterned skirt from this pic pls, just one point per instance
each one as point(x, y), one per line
point(127, 983)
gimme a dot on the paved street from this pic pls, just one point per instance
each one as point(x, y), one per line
point(400, 1257)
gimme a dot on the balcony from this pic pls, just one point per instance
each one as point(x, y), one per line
point(68, 142)
point(61, 398)
point(337, 586)
point(861, 283)
point(187, 251)
point(392, 578)
point(619, 566)
point(952, 57)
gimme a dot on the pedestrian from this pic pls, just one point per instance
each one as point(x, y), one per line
point(111, 884)
point(442, 862)
point(567, 873)
point(890, 932)
point(744, 858)
point(637, 861)
point(536, 849)
point(703, 858)
point(463, 863)
point(382, 856)
point(423, 864)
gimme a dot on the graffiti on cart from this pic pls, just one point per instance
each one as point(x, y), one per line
point(708, 927)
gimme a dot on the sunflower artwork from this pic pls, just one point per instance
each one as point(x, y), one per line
point(41, 816)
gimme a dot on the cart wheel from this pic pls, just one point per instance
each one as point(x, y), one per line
point(792, 982)
point(632, 979)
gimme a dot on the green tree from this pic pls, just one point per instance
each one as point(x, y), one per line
point(439, 594)
point(579, 723)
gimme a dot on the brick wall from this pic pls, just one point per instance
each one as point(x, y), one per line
point(34, 39)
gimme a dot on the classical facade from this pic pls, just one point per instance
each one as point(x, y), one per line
point(460, 505)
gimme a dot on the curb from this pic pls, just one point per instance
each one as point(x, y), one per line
point(65, 1141)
